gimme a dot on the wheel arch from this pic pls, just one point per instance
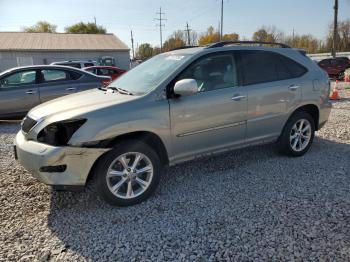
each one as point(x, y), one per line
point(147, 137)
point(312, 109)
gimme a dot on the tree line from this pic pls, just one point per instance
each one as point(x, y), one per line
point(264, 34)
point(181, 38)
point(78, 28)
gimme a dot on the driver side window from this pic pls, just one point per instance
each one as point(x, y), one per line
point(18, 79)
point(212, 72)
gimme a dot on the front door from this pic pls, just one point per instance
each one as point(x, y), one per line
point(215, 117)
point(18, 92)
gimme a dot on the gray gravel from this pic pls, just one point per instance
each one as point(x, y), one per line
point(251, 204)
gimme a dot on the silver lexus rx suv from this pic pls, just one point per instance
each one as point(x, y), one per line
point(172, 108)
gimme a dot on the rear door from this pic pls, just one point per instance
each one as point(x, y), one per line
point(274, 84)
point(18, 92)
point(57, 82)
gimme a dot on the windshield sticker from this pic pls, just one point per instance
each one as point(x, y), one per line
point(175, 57)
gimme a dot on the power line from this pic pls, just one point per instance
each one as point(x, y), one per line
point(188, 34)
point(160, 19)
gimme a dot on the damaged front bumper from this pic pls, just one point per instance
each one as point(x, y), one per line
point(56, 166)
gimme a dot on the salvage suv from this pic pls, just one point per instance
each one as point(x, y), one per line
point(177, 106)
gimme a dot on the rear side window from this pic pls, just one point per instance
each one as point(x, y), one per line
point(74, 75)
point(88, 64)
point(325, 62)
point(262, 66)
point(59, 75)
point(54, 75)
point(290, 68)
point(103, 71)
point(76, 65)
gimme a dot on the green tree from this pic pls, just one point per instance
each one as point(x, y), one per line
point(85, 28)
point(213, 36)
point(343, 37)
point(210, 36)
point(144, 51)
point(230, 37)
point(306, 42)
point(268, 34)
point(41, 27)
point(176, 40)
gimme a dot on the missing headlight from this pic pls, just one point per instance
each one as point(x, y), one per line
point(59, 133)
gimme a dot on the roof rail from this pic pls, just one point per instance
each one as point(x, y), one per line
point(224, 43)
point(183, 47)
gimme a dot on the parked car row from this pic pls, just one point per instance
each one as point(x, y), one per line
point(22, 88)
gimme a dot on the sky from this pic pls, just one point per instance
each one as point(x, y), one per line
point(121, 16)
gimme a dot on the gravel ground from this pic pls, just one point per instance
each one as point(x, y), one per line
point(251, 204)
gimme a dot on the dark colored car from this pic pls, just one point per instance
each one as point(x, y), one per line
point(335, 67)
point(76, 63)
point(22, 88)
point(112, 71)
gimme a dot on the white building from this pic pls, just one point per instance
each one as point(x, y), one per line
point(20, 49)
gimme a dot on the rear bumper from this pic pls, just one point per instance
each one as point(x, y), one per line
point(78, 161)
point(325, 111)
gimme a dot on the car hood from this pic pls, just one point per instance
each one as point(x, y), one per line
point(79, 104)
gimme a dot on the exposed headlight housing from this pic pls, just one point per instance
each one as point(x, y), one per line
point(59, 133)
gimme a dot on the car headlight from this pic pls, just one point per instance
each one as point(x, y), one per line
point(59, 133)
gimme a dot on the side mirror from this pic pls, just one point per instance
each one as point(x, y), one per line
point(186, 87)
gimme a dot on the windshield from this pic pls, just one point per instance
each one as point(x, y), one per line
point(146, 76)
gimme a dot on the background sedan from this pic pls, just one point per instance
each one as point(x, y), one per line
point(22, 88)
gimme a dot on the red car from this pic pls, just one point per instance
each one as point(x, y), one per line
point(335, 67)
point(112, 71)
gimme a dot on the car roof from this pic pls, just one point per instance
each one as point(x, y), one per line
point(107, 67)
point(209, 49)
point(35, 67)
point(74, 61)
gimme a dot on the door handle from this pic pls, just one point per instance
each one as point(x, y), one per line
point(31, 92)
point(293, 87)
point(71, 89)
point(238, 98)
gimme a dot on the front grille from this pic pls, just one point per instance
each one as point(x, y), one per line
point(27, 124)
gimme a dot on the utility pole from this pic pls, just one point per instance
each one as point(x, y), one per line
point(188, 34)
point(160, 19)
point(132, 46)
point(222, 19)
point(95, 20)
point(335, 29)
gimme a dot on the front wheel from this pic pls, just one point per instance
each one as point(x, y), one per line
point(297, 135)
point(128, 174)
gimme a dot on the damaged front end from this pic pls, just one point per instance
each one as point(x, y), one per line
point(52, 160)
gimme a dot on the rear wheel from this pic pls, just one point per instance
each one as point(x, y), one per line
point(128, 174)
point(297, 135)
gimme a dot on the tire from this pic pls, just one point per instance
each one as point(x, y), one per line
point(119, 163)
point(291, 135)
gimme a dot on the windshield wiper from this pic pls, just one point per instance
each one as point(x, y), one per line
point(121, 90)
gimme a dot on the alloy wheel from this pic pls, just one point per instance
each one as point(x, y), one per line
point(300, 135)
point(129, 175)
